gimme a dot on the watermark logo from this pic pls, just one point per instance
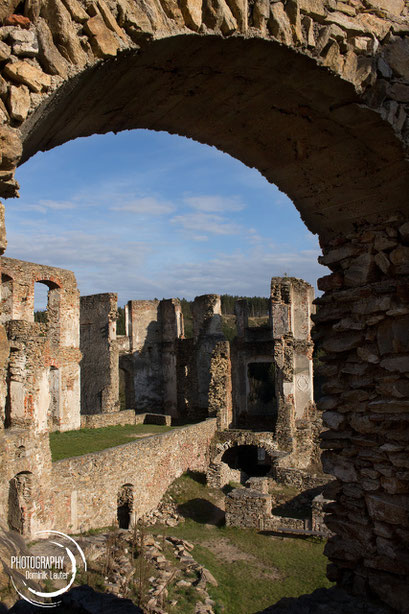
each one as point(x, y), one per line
point(43, 576)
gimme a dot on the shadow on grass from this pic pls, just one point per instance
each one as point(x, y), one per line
point(202, 511)
point(198, 477)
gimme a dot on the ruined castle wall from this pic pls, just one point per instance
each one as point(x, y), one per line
point(144, 363)
point(88, 485)
point(99, 365)
point(363, 327)
point(41, 388)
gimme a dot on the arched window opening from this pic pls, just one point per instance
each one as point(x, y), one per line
point(20, 497)
point(252, 460)
point(125, 503)
point(47, 303)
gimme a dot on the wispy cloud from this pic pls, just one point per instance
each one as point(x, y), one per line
point(206, 222)
point(217, 204)
point(145, 206)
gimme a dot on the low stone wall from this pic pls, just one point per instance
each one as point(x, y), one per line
point(96, 421)
point(126, 416)
point(298, 478)
point(87, 486)
point(250, 508)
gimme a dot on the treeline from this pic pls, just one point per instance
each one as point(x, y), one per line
point(258, 307)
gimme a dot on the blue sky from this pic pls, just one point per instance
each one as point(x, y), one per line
point(148, 214)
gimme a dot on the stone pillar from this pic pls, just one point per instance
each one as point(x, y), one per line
point(362, 324)
point(207, 331)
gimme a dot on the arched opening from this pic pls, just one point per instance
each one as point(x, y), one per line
point(46, 302)
point(20, 502)
point(125, 506)
point(254, 461)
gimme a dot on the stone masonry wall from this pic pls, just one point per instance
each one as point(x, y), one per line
point(99, 365)
point(42, 383)
point(86, 487)
point(363, 327)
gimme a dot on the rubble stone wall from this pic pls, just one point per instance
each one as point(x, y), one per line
point(363, 326)
point(88, 485)
point(41, 384)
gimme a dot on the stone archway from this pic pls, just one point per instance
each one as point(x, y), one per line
point(125, 506)
point(315, 98)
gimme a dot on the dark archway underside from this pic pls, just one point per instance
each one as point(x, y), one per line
point(271, 107)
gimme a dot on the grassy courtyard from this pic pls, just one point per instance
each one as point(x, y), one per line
point(253, 569)
point(83, 441)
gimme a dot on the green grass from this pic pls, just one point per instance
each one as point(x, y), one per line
point(83, 441)
point(268, 568)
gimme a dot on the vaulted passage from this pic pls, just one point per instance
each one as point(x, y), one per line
point(252, 460)
point(266, 105)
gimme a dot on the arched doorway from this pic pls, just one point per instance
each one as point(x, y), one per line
point(252, 460)
point(125, 506)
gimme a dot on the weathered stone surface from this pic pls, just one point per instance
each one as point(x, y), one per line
point(279, 24)
point(315, 8)
point(24, 43)
point(25, 73)
point(110, 20)
point(10, 147)
point(50, 57)
point(4, 51)
point(393, 510)
point(395, 7)
point(360, 270)
point(76, 11)
point(192, 13)
point(19, 102)
point(396, 55)
point(218, 16)
point(396, 363)
point(102, 39)
point(393, 336)
point(64, 33)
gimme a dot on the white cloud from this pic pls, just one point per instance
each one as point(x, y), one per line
point(206, 222)
point(145, 206)
point(214, 203)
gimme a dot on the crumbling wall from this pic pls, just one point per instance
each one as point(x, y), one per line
point(149, 358)
point(42, 384)
point(88, 485)
point(26, 500)
point(99, 365)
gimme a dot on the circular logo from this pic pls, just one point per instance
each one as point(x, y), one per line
point(48, 570)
